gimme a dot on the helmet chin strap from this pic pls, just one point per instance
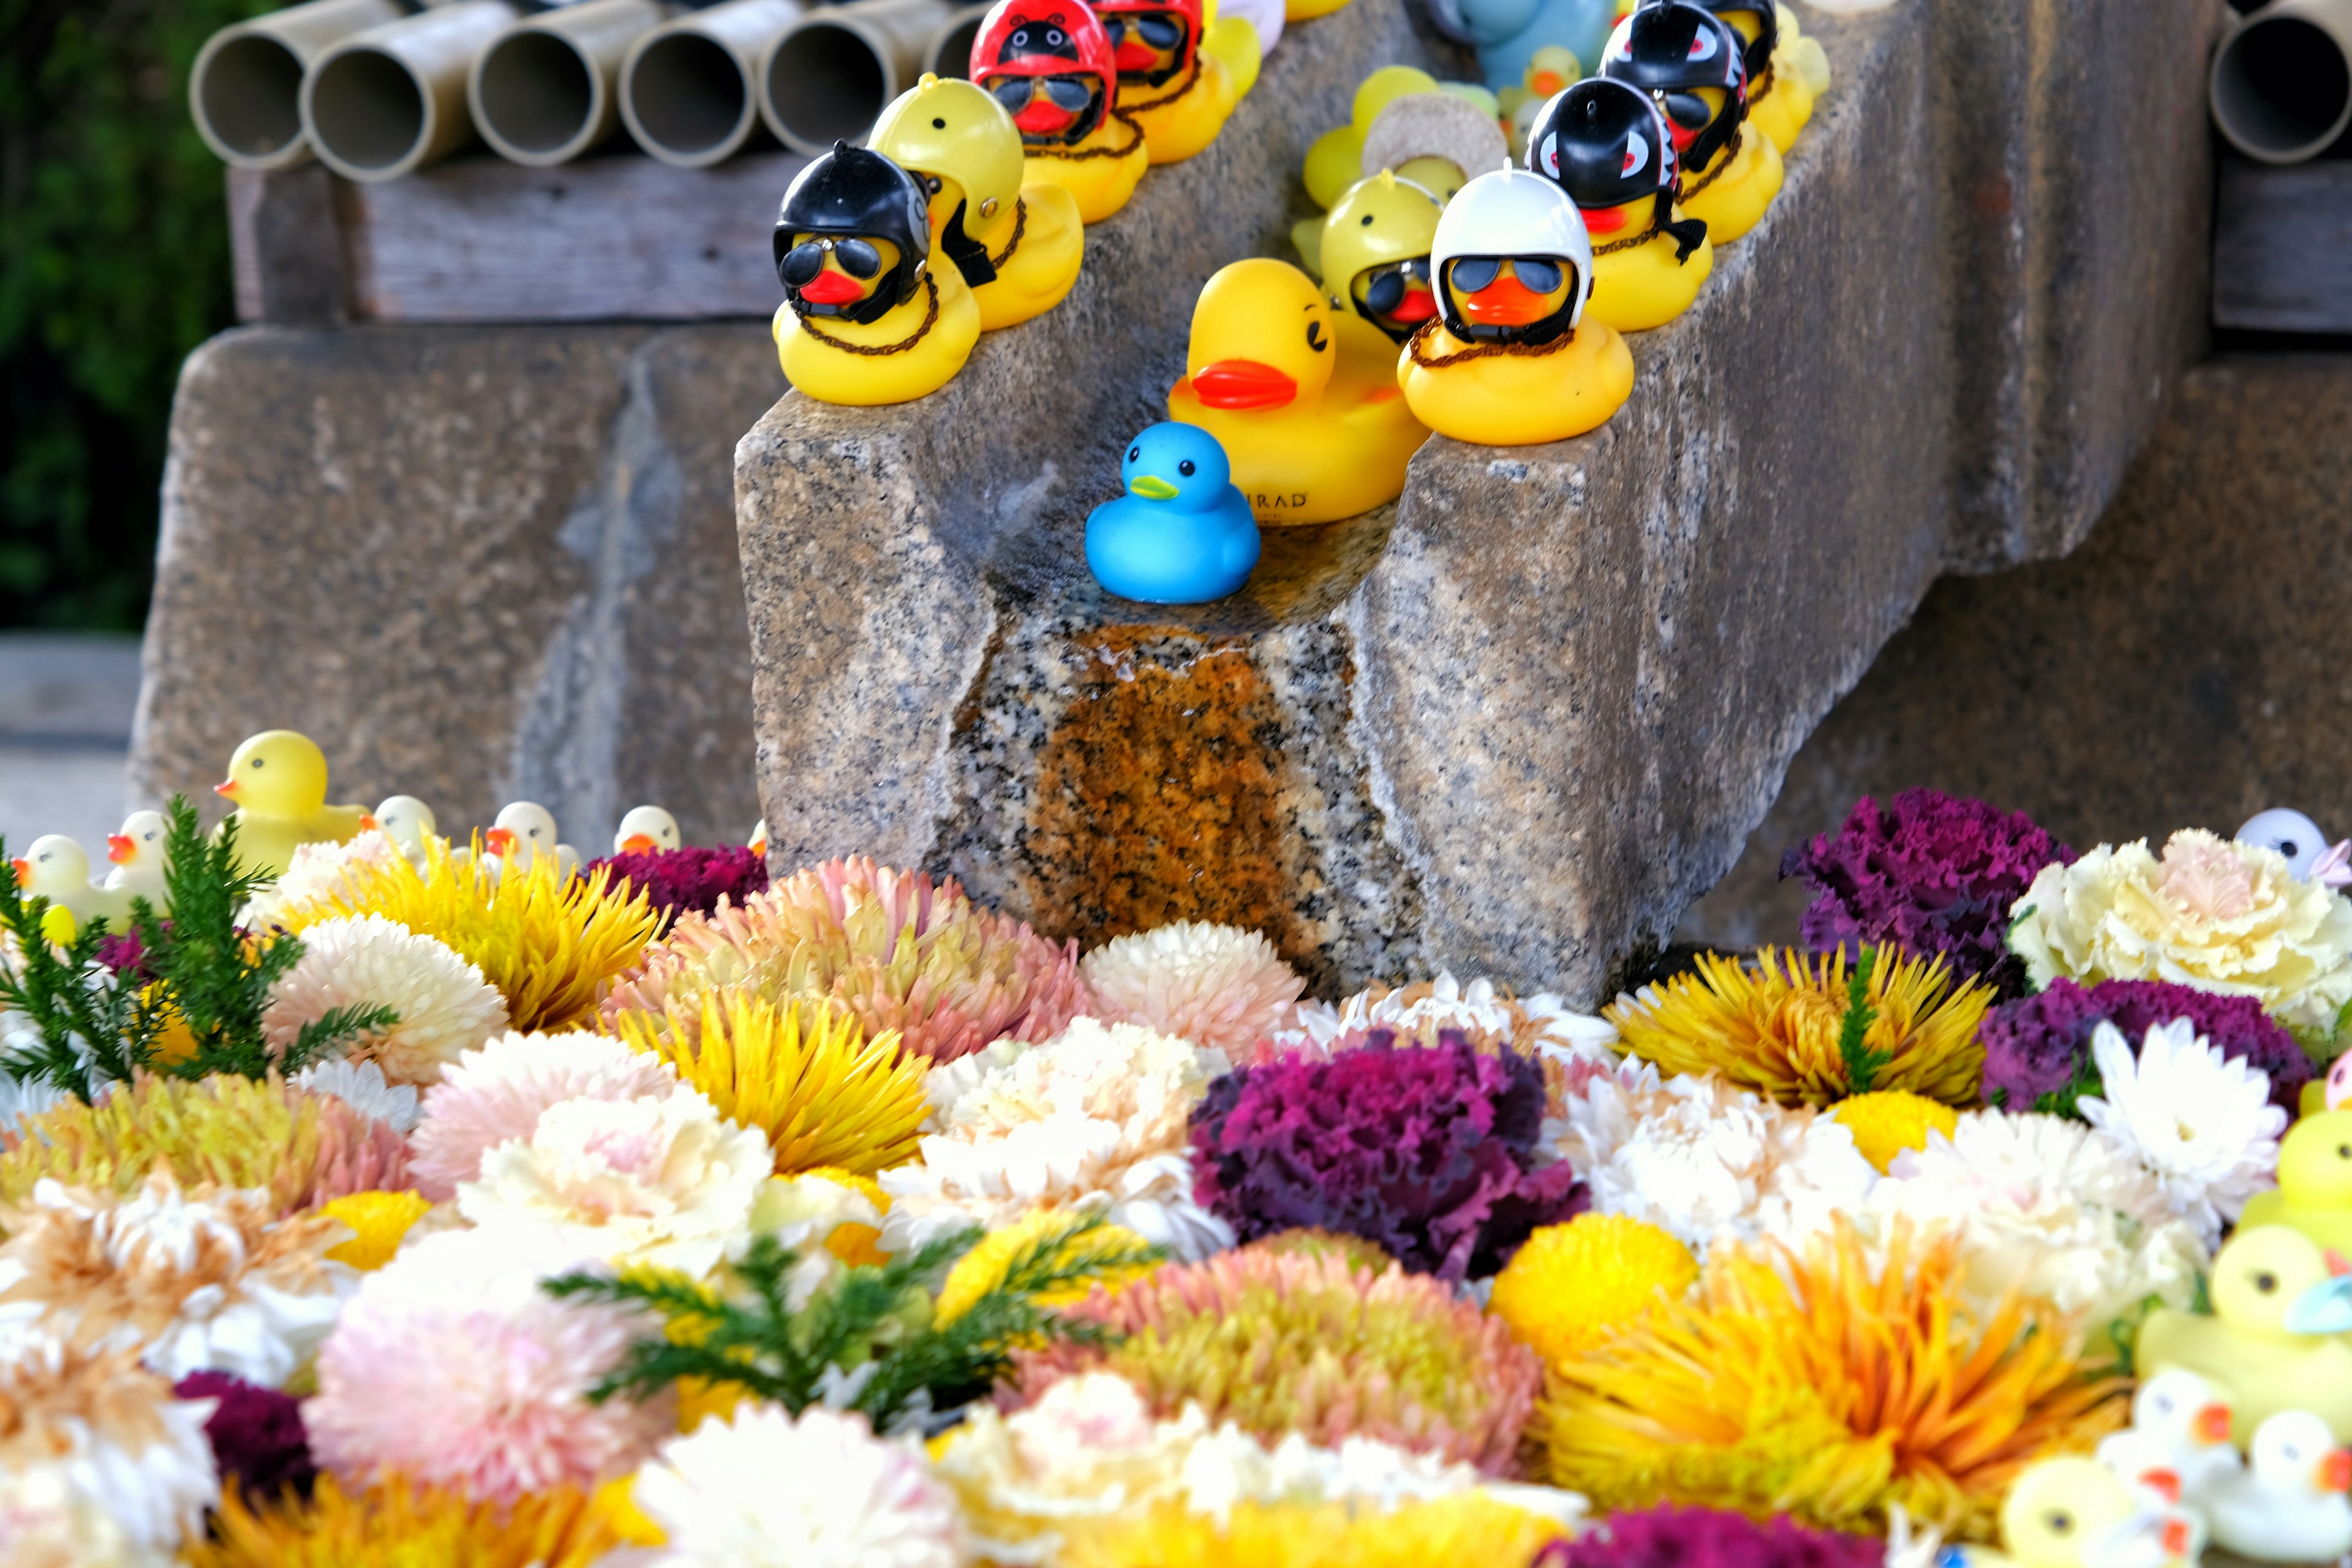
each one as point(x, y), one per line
point(969, 254)
point(1709, 143)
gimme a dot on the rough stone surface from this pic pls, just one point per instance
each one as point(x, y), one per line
point(2186, 667)
point(1518, 726)
point(476, 566)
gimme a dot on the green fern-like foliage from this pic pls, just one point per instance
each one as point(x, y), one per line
point(1861, 1064)
point(876, 1317)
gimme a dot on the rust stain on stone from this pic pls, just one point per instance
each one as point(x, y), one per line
point(1160, 795)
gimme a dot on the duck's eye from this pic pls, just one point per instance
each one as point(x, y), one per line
point(1368, 220)
point(257, 762)
point(2344, 1151)
point(2289, 848)
point(1135, 454)
point(1185, 468)
point(938, 125)
point(2059, 1521)
point(2266, 1282)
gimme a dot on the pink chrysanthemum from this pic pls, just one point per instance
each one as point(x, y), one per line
point(453, 1368)
point(899, 951)
point(496, 1095)
point(1216, 985)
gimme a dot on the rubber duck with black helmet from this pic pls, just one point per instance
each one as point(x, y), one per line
point(1050, 66)
point(1179, 95)
point(1511, 360)
point(1375, 253)
point(1780, 101)
point(1607, 145)
point(1695, 70)
point(872, 314)
point(1018, 247)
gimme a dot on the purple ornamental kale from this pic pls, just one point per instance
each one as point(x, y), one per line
point(1429, 1152)
point(1671, 1537)
point(257, 1436)
point(1933, 873)
point(2038, 1048)
point(680, 879)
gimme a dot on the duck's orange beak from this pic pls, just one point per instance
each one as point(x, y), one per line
point(831, 287)
point(1602, 220)
point(2162, 1481)
point(2336, 1471)
point(1043, 117)
point(1242, 384)
point(1506, 302)
point(498, 840)
point(1418, 305)
point(229, 789)
point(119, 848)
point(1546, 83)
point(636, 844)
point(2336, 1266)
point(367, 822)
point(2174, 1538)
point(2212, 1422)
point(1131, 56)
point(23, 869)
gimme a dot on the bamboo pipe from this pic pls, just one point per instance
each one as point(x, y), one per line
point(689, 89)
point(951, 51)
point(392, 99)
point(2280, 88)
point(829, 76)
point(246, 91)
point(547, 90)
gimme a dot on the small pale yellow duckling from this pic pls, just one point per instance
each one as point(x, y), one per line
point(1019, 247)
point(1303, 399)
point(645, 830)
point(278, 782)
point(2275, 1339)
point(137, 852)
point(1050, 66)
point(2072, 1513)
point(1180, 94)
point(2314, 1182)
point(57, 867)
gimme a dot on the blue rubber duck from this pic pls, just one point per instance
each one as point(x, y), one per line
point(1184, 534)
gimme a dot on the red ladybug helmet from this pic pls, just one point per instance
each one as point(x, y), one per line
point(1059, 43)
point(1149, 25)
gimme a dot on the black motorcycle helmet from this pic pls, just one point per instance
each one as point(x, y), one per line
point(1768, 30)
point(1606, 143)
point(851, 193)
point(1673, 48)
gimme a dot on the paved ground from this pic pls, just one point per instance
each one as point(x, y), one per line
point(66, 703)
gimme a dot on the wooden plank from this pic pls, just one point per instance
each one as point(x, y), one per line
point(615, 237)
point(2282, 247)
point(286, 246)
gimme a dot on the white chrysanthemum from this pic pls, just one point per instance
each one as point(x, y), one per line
point(2200, 1123)
point(45, 1523)
point(764, 1490)
point(947, 1082)
point(445, 1005)
point(212, 1282)
point(495, 1094)
point(110, 1435)
point(1216, 985)
point(1094, 1121)
point(1541, 1023)
point(315, 873)
point(803, 1212)
point(2221, 916)
point(2046, 1206)
point(22, 1097)
point(663, 1180)
point(362, 1087)
point(1704, 1161)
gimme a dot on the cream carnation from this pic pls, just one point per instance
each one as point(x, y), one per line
point(1704, 1161)
point(1541, 1024)
point(2202, 1123)
point(2224, 917)
point(765, 1490)
point(1216, 985)
point(109, 1435)
point(1094, 1121)
point(206, 1281)
point(445, 1007)
point(498, 1093)
point(664, 1180)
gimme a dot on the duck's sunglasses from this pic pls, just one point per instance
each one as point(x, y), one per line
point(803, 261)
point(1386, 292)
point(1687, 110)
point(1475, 272)
point(1159, 32)
point(1067, 93)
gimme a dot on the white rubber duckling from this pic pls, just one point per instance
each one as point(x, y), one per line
point(137, 852)
point(2289, 1505)
point(758, 843)
point(645, 830)
point(2178, 1441)
point(57, 868)
point(2075, 1513)
point(409, 823)
point(522, 832)
point(2309, 854)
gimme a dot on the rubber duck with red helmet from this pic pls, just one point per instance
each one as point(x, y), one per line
point(1607, 145)
point(1018, 245)
point(1049, 65)
point(872, 312)
point(1780, 93)
point(1302, 397)
point(1695, 70)
point(1179, 95)
point(1511, 360)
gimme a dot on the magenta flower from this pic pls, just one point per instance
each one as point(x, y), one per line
point(691, 879)
point(257, 1434)
point(1933, 873)
point(2038, 1048)
point(1671, 1537)
point(1428, 1152)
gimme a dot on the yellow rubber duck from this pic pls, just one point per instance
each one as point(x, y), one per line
point(1302, 398)
point(2074, 1512)
point(1234, 40)
point(1511, 361)
point(1308, 10)
point(2275, 1339)
point(1608, 146)
point(1779, 98)
point(1695, 65)
point(57, 867)
point(1050, 66)
point(1178, 93)
point(1018, 247)
point(2314, 1182)
point(1550, 69)
point(1374, 253)
point(872, 313)
point(278, 782)
point(1335, 159)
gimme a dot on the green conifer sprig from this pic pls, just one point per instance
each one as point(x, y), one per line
point(1861, 1064)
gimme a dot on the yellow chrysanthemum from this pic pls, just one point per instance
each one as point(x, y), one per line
point(1851, 1385)
point(1886, 1121)
point(802, 1072)
point(546, 941)
point(398, 1523)
point(378, 1221)
point(1774, 1026)
point(981, 1269)
point(1466, 1528)
point(1571, 1285)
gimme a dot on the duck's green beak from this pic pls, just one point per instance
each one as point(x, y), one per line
point(1151, 487)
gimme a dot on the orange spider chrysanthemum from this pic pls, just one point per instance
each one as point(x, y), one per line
point(1829, 1387)
point(1774, 1026)
point(398, 1522)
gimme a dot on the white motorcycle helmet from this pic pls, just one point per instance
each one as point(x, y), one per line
point(1505, 216)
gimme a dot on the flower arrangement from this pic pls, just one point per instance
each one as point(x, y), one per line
point(2038, 1048)
point(688, 880)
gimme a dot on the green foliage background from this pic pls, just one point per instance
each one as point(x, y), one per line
point(113, 264)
